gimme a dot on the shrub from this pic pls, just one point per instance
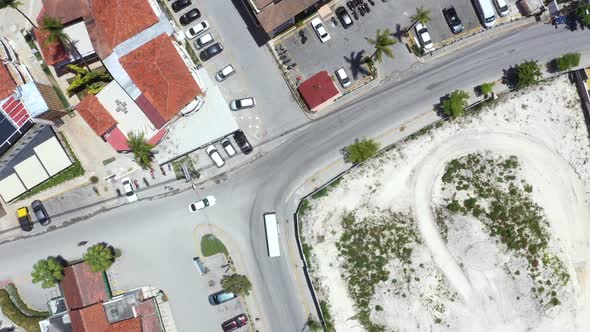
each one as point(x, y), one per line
point(361, 150)
point(454, 105)
point(48, 272)
point(486, 88)
point(583, 13)
point(237, 284)
point(527, 74)
point(211, 245)
point(94, 179)
point(10, 310)
point(567, 61)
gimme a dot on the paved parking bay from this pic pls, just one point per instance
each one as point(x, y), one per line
point(256, 73)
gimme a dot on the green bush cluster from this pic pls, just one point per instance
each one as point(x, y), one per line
point(361, 150)
point(454, 105)
point(511, 215)
point(567, 61)
point(527, 73)
point(11, 311)
point(367, 246)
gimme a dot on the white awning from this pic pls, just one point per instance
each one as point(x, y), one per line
point(52, 156)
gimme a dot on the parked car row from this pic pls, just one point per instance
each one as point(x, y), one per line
point(230, 151)
point(41, 215)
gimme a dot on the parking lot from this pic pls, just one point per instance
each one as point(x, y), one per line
point(347, 47)
point(217, 266)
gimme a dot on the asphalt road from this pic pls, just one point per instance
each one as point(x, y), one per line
point(156, 236)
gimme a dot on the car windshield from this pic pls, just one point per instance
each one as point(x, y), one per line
point(129, 193)
point(225, 296)
point(490, 19)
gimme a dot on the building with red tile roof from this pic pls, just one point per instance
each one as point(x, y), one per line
point(67, 10)
point(7, 84)
point(53, 53)
point(88, 309)
point(115, 21)
point(82, 287)
point(89, 319)
point(318, 91)
point(163, 78)
point(97, 117)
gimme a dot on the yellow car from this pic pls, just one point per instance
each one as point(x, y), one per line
point(24, 219)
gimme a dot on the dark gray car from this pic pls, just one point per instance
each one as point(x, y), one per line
point(211, 51)
point(40, 213)
point(221, 297)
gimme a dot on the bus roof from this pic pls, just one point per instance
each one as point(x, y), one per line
point(272, 234)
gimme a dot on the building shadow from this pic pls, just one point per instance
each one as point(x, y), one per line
point(255, 29)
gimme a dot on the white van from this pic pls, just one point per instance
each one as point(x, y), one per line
point(485, 10)
point(501, 7)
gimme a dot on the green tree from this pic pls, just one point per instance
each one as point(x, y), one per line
point(486, 88)
point(237, 284)
point(56, 34)
point(567, 61)
point(99, 257)
point(48, 272)
point(14, 4)
point(313, 324)
point(85, 79)
point(455, 104)
point(361, 150)
point(422, 16)
point(142, 150)
point(527, 74)
point(583, 13)
point(382, 43)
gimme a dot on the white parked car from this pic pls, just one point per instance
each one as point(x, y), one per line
point(197, 29)
point(320, 29)
point(193, 106)
point(228, 147)
point(215, 156)
point(204, 203)
point(128, 189)
point(239, 104)
point(224, 73)
point(203, 41)
point(423, 35)
point(343, 77)
point(501, 7)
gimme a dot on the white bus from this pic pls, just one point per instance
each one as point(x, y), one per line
point(272, 234)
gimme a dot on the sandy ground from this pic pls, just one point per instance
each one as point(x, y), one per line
point(545, 129)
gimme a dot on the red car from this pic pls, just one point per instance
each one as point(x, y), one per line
point(235, 323)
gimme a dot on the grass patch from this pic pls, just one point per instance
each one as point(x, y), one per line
point(108, 161)
point(503, 203)
point(328, 320)
point(192, 53)
point(367, 246)
point(326, 189)
point(211, 245)
point(74, 171)
point(303, 208)
point(62, 98)
point(10, 310)
point(192, 169)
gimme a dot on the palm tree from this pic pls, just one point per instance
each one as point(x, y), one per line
point(48, 272)
point(422, 16)
point(55, 33)
point(99, 257)
point(142, 150)
point(14, 4)
point(382, 44)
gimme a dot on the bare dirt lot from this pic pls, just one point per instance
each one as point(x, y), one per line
point(478, 224)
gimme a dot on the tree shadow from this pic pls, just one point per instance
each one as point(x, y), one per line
point(509, 77)
point(356, 63)
point(438, 106)
point(551, 66)
point(398, 33)
point(571, 21)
